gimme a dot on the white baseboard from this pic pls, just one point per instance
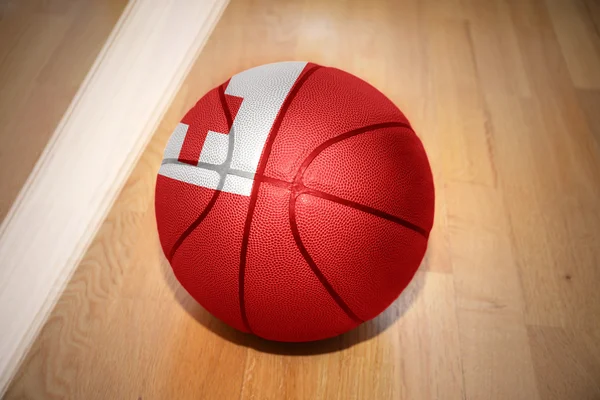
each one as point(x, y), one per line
point(88, 159)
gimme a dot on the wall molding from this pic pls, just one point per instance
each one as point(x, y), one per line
point(90, 155)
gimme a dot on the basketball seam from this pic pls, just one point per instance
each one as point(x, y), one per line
point(222, 177)
point(301, 189)
point(225, 106)
point(256, 186)
point(298, 180)
point(313, 265)
point(298, 188)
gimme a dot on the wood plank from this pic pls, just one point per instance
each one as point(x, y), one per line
point(579, 41)
point(495, 351)
point(593, 11)
point(505, 303)
point(460, 116)
point(567, 362)
point(497, 57)
point(589, 101)
point(559, 161)
point(454, 124)
point(409, 352)
point(68, 194)
point(490, 304)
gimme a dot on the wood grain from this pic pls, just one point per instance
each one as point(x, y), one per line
point(505, 305)
point(90, 155)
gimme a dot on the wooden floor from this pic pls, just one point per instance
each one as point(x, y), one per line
point(505, 95)
point(47, 48)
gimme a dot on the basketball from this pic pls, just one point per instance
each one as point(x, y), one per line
point(294, 201)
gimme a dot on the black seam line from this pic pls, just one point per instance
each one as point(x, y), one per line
point(225, 107)
point(313, 265)
point(308, 191)
point(366, 209)
point(222, 176)
point(266, 152)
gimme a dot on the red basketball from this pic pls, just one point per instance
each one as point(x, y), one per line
point(294, 201)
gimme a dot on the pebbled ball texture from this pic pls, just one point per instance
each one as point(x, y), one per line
point(324, 233)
